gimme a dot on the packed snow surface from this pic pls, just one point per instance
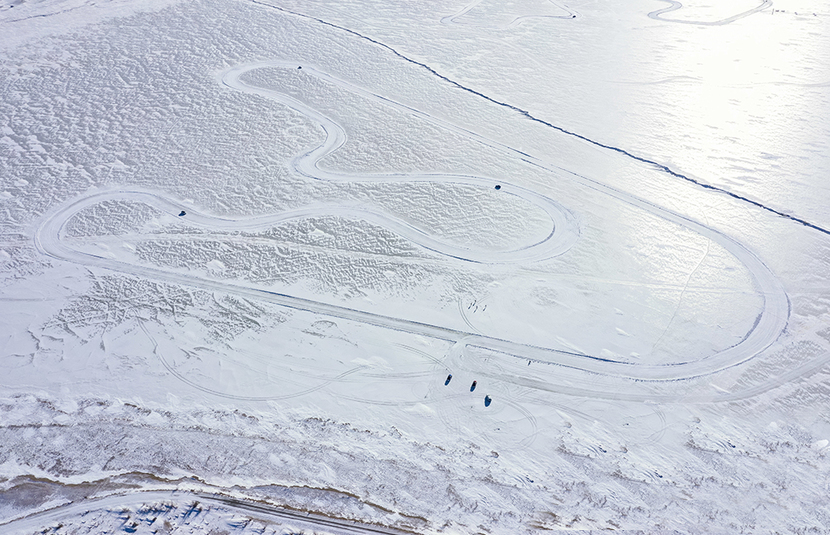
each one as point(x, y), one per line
point(317, 267)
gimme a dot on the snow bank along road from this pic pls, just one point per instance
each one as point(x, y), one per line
point(127, 510)
point(50, 240)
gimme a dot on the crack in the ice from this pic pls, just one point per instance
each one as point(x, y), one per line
point(530, 116)
point(45, 15)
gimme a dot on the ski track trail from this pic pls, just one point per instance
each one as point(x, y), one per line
point(675, 5)
point(49, 240)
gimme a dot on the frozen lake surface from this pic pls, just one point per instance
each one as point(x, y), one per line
point(358, 267)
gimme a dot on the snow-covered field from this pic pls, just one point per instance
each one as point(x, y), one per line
point(289, 266)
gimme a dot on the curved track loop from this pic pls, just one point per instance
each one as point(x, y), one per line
point(768, 326)
point(563, 234)
point(675, 5)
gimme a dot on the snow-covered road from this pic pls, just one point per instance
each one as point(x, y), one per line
point(149, 511)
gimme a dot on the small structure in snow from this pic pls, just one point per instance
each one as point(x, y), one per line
point(487, 401)
point(182, 213)
point(473, 386)
point(498, 186)
point(449, 377)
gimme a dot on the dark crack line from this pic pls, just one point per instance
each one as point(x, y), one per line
point(528, 115)
point(44, 15)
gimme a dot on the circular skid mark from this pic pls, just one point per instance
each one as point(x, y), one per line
point(505, 423)
point(205, 384)
point(646, 427)
point(436, 362)
point(675, 5)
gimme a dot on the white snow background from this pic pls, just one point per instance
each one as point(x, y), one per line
point(254, 255)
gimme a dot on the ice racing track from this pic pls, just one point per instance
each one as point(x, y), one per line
point(774, 316)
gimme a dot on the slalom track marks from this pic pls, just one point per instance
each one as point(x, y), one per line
point(675, 5)
point(49, 239)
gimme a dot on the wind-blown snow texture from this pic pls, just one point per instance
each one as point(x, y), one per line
point(244, 245)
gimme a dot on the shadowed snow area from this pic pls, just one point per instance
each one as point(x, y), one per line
point(314, 267)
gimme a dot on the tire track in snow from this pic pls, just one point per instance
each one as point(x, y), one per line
point(770, 323)
point(462, 410)
point(173, 371)
point(675, 5)
point(564, 232)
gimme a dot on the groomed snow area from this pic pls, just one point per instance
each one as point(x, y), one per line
point(278, 266)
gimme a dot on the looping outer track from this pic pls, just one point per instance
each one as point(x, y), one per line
point(770, 323)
